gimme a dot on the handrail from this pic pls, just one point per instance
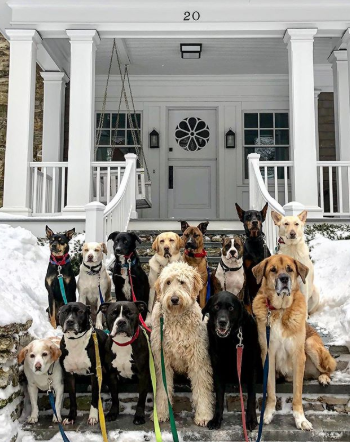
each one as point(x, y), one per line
point(48, 164)
point(121, 191)
point(108, 164)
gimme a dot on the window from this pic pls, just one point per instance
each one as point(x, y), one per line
point(115, 139)
point(266, 133)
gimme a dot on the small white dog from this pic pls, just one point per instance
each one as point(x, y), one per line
point(185, 340)
point(93, 280)
point(41, 365)
point(292, 243)
point(167, 246)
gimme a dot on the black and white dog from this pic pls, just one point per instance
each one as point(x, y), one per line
point(78, 355)
point(227, 316)
point(126, 353)
point(125, 253)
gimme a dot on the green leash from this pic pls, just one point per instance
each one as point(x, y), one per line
point(171, 414)
point(154, 388)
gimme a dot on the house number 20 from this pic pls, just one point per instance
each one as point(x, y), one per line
point(191, 16)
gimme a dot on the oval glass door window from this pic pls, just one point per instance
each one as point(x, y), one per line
point(192, 134)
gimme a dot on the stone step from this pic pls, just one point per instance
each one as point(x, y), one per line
point(334, 427)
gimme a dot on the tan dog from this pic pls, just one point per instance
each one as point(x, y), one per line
point(185, 340)
point(292, 243)
point(295, 347)
point(93, 274)
point(41, 363)
point(167, 246)
point(195, 255)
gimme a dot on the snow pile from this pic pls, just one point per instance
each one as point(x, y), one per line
point(332, 277)
point(23, 265)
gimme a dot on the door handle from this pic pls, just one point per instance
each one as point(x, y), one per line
point(171, 177)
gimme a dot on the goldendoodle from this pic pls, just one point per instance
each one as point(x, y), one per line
point(185, 340)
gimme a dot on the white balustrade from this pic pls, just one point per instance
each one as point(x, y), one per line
point(276, 176)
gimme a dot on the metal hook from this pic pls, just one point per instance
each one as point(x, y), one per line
point(240, 337)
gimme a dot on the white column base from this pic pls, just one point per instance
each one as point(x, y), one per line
point(17, 211)
point(294, 208)
point(74, 210)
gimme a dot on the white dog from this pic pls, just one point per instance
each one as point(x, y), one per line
point(292, 243)
point(93, 278)
point(41, 365)
point(167, 246)
point(185, 340)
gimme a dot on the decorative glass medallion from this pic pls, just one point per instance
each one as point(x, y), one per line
point(192, 134)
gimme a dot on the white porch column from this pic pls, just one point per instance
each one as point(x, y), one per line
point(302, 118)
point(20, 120)
point(81, 118)
point(53, 119)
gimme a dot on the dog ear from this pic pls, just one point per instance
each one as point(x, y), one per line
point(142, 306)
point(263, 211)
point(113, 235)
point(180, 242)
point(259, 271)
point(240, 213)
point(49, 232)
point(55, 352)
point(22, 354)
point(104, 247)
point(203, 227)
point(302, 216)
point(104, 307)
point(184, 225)
point(157, 288)
point(69, 233)
point(277, 217)
point(155, 245)
point(197, 283)
point(301, 270)
point(207, 307)
point(133, 234)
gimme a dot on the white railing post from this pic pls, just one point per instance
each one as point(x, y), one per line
point(253, 159)
point(293, 208)
point(94, 227)
point(132, 158)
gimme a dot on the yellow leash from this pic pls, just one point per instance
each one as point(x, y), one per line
point(99, 378)
point(154, 387)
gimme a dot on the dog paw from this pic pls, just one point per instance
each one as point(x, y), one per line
point(161, 417)
point(324, 380)
point(68, 421)
point(32, 419)
point(268, 416)
point(111, 417)
point(252, 422)
point(99, 326)
point(201, 422)
point(215, 423)
point(92, 420)
point(93, 416)
point(301, 422)
point(139, 420)
point(55, 420)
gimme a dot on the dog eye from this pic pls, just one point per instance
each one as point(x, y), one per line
point(168, 282)
point(286, 224)
point(296, 224)
point(44, 354)
point(96, 250)
point(161, 241)
point(182, 282)
point(273, 270)
point(230, 309)
point(216, 307)
point(195, 235)
point(289, 269)
point(32, 356)
point(172, 240)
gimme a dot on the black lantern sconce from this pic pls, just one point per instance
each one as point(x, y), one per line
point(230, 139)
point(154, 139)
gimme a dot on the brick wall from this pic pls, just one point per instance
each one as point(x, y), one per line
point(326, 126)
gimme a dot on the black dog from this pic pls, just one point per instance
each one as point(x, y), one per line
point(226, 316)
point(125, 253)
point(78, 355)
point(59, 264)
point(126, 353)
point(255, 248)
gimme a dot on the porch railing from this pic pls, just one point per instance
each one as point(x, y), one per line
point(334, 187)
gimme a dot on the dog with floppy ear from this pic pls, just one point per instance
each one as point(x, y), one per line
point(185, 340)
point(295, 347)
point(40, 359)
point(291, 242)
point(195, 254)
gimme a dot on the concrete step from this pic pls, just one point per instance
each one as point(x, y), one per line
point(171, 224)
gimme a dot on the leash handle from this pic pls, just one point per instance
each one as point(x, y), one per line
point(63, 290)
point(154, 388)
point(240, 347)
point(171, 413)
point(53, 406)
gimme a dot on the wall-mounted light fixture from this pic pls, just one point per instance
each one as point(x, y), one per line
point(230, 139)
point(154, 139)
point(191, 50)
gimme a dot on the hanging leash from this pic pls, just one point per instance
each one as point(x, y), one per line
point(59, 262)
point(208, 286)
point(171, 413)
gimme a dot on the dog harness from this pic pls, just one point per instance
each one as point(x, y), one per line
point(133, 339)
point(226, 269)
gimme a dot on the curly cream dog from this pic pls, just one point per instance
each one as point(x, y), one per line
point(292, 243)
point(185, 340)
point(167, 246)
point(295, 347)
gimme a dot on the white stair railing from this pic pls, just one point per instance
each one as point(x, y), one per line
point(259, 196)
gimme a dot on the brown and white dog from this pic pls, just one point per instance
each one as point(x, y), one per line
point(167, 246)
point(229, 275)
point(41, 364)
point(295, 347)
point(195, 254)
point(93, 277)
point(292, 243)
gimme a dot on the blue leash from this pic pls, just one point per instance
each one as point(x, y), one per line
point(208, 286)
point(100, 293)
point(53, 406)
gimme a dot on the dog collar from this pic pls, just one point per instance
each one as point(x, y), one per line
point(50, 370)
point(225, 268)
point(269, 306)
point(201, 254)
point(93, 269)
point(280, 240)
point(60, 260)
point(133, 339)
point(81, 335)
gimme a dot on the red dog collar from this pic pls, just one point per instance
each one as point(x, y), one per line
point(133, 339)
point(60, 260)
point(201, 254)
point(269, 306)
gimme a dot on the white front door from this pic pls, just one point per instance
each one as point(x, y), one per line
point(192, 163)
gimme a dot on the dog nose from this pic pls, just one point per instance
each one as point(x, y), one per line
point(69, 322)
point(255, 223)
point(284, 278)
point(232, 252)
point(166, 249)
point(90, 257)
point(37, 366)
point(292, 234)
point(117, 249)
point(222, 323)
point(121, 323)
point(175, 300)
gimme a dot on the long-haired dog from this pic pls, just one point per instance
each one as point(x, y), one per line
point(292, 243)
point(295, 347)
point(185, 343)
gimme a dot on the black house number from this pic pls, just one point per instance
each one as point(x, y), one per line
point(191, 16)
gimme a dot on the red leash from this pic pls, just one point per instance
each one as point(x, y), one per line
point(239, 348)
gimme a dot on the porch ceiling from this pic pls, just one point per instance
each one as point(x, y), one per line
point(219, 56)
